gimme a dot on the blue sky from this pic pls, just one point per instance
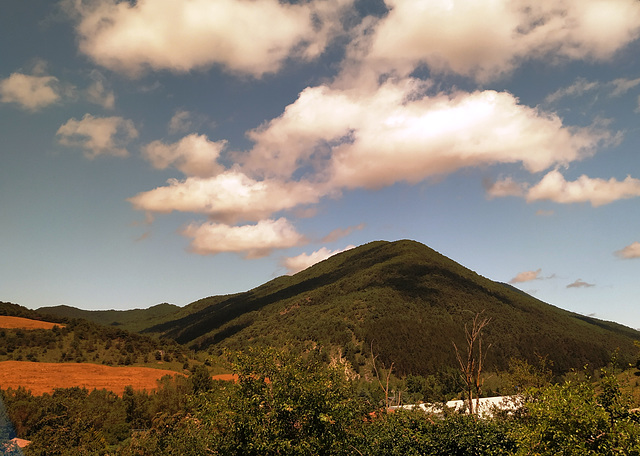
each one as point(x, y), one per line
point(161, 151)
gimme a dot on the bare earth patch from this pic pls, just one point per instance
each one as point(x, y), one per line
point(25, 323)
point(44, 377)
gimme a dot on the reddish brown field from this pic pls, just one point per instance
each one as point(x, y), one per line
point(44, 377)
point(24, 323)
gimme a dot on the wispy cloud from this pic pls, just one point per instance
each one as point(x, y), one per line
point(629, 252)
point(339, 233)
point(579, 283)
point(504, 187)
point(527, 276)
point(98, 135)
point(581, 86)
point(578, 88)
point(99, 91)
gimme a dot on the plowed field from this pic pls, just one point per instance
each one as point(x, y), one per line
point(25, 323)
point(44, 377)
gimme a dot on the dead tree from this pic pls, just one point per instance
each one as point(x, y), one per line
point(471, 367)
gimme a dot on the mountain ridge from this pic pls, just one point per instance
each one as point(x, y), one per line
point(405, 302)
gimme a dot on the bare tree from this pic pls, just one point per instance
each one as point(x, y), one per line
point(384, 386)
point(471, 366)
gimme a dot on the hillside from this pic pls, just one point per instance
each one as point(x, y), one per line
point(53, 338)
point(130, 320)
point(406, 301)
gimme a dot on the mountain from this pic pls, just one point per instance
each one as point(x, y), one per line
point(130, 320)
point(404, 302)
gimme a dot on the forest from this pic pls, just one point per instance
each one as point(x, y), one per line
point(287, 403)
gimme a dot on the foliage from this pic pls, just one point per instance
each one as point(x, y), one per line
point(280, 404)
point(571, 419)
point(416, 433)
point(84, 341)
point(409, 300)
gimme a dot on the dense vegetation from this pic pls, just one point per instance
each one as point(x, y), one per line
point(371, 327)
point(405, 301)
point(129, 320)
point(284, 404)
point(77, 340)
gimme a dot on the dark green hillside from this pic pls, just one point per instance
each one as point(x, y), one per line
point(130, 320)
point(406, 300)
point(78, 340)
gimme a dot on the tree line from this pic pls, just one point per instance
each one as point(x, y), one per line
point(286, 404)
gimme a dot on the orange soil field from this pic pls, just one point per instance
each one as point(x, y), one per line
point(24, 323)
point(44, 377)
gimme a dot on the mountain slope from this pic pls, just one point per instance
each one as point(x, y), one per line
point(130, 320)
point(408, 303)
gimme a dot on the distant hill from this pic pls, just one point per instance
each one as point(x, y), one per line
point(77, 340)
point(130, 320)
point(405, 300)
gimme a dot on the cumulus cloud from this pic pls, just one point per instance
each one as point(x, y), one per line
point(303, 261)
point(98, 135)
point(255, 241)
point(527, 276)
point(629, 252)
point(193, 155)
point(30, 92)
point(251, 37)
point(398, 133)
point(485, 39)
point(598, 192)
point(229, 197)
point(580, 284)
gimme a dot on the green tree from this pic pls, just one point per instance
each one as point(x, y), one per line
point(572, 419)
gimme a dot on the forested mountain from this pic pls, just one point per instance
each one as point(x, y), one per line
point(130, 320)
point(404, 302)
point(79, 340)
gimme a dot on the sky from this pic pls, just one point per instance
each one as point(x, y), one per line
point(161, 151)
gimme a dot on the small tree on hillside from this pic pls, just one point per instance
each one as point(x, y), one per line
point(471, 365)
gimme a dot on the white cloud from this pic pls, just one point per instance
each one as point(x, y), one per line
point(598, 192)
point(630, 251)
point(98, 135)
point(526, 276)
point(230, 196)
point(252, 37)
point(488, 38)
point(303, 261)
point(579, 283)
point(193, 155)
point(30, 92)
point(254, 240)
point(397, 133)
